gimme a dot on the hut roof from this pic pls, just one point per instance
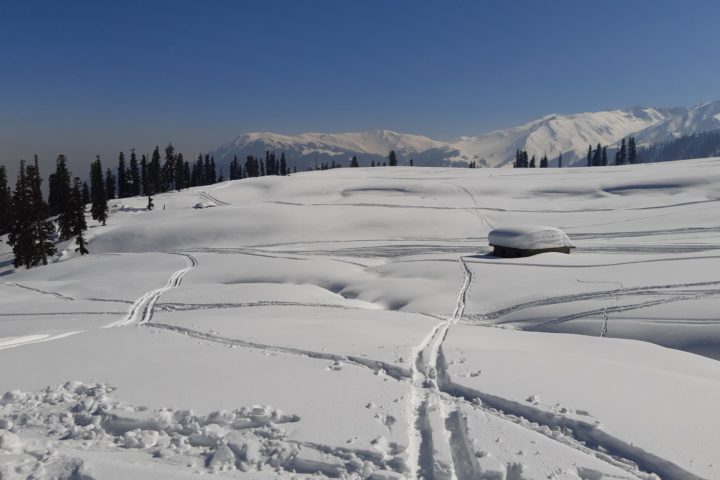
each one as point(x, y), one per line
point(529, 237)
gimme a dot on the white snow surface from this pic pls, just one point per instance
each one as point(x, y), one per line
point(351, 323)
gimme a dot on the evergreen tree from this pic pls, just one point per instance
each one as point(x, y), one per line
point(283, 164)
point(122, 177)
point(5, 202)
point(98, 193)
point(110, 184)
point(85, 193)
point(180, 180)
point(168, 170)
point(262, 168)
point(155, 171)
point(532, 162)
point(31, 232)
point(145, 176)
point(411, 163)
point(604, 159)
point(59, 187)
point(136, 182)
point(597, 156)
point(373, 163)
point(560, 160)
point(544, 162)
point(632, 157)
point(21, 232)
point(589, 156)
point(392, 158)
point(354, 162)
point(78, 222)
point(621, 155)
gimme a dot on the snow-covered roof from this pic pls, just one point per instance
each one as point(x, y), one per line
point(529, 237)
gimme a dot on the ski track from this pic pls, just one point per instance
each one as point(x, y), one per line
point(141, 311)
point(394, 371)
point(37, 290)
point(602, 294)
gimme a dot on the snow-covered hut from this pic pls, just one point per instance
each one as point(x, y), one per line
point(526, 240)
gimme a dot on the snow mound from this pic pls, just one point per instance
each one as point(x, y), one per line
point(529, 237)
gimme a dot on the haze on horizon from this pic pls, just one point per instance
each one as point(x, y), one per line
point(90, 78)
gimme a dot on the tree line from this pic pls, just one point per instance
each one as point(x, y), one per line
point(597, 156)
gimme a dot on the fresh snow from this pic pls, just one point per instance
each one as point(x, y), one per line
point(352, 323)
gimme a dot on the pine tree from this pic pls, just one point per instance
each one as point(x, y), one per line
point(31, 232)
point(44, 228)
point(168, 170)
point(5, 202)
point(411, 163)
point(632, 157)
point(532, 162)
point(525, 161)
point(122, 177)
point(597, 156)
point(544, 162)
point(560, 160)
point(134, 175)
point(589, 156)
point(604, 159)
point(78, 222)
point(98, 194)
point(373, 163)
point(354, 162)
point(110, 184)
point(59, 187)
point(85, 193)
point(283, 164)
point(147, 183)
point(21, 232)
point(621, 155)
point(392, 158)
point(180, 181)
point(155, 171)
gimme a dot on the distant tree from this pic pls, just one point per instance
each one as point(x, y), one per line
point(354, 162)
point(59, 187)
point(98, 192)
point(532, 162)
point(392, 158)
point(560, 160)
point(632, 156)
point(411, 163)
point(122, 177)
point(136, 183)
point(589, 156)
point(5, 202)
point(180, 164)
point(77, 222)
point(604, 158)
point(597, 156)
point(85, 193)
point(373, 163)
point(472, 164)
point(262, 168)
point(283, 164)
point(110, 184)
point(31, 232)
point(621, 154)
point(544, 162)
point(155, 171)
point(167, 172)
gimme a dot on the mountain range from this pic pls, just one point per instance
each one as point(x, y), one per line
point(551, 134)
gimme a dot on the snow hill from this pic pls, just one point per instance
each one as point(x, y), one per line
point(551, 135)
point(351, 324)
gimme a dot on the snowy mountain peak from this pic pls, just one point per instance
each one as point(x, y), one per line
point(551, 135)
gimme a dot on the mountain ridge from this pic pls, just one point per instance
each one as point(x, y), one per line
point(550, 135)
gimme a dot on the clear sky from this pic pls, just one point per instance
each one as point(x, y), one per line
point(94, 77)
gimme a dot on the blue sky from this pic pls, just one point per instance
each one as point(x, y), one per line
point(93, 77)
